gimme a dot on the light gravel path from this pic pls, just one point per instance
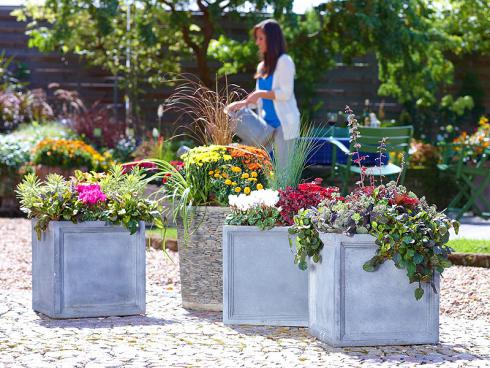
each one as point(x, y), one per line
point(170, 336)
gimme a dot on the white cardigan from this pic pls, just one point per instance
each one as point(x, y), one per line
point(285, 102)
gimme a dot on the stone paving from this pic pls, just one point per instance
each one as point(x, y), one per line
point(170, 336)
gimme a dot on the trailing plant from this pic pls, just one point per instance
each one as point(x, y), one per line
point(257, 209)
point(408, 231)
point(113, 197)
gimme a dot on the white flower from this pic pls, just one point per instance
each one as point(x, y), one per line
point(243, 202)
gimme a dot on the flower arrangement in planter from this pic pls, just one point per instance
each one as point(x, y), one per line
point(88, 258)
point(113, 197)
point(345, 237)
point(68, 155)
point(408, 231)
point(197, 189)
point(270, 290)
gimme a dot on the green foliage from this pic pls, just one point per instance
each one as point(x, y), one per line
point(308, 243)
point(14, 153)
point(58, 199)
point(263, 217)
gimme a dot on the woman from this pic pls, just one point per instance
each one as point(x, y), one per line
point(274, 93)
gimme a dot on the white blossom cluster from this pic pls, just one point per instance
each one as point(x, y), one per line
point(256, 198)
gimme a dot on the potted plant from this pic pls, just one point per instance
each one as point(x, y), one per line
point(88, 243)
point(261, 284)
point(198, 191)
point(345, 237)
point(64, 156)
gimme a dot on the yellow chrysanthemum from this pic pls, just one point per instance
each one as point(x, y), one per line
point(260, 186)
point(234, 183)
point(246, 190)
point(245, 176)
point(238, 190)
point(211, 172)
point(217, 175)
point(228, 182)
point(254, 174)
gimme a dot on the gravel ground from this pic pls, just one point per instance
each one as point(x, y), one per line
point(170, 336)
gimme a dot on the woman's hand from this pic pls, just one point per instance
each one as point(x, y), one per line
point(235, 106)
point(253, 97)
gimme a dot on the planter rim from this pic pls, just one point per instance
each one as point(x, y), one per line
point(348, 238)
point(66, 223)
point(254, 228)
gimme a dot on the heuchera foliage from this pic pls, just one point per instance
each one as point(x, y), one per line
point(306, 195)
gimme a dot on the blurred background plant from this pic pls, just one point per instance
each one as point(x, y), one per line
point(69, 154)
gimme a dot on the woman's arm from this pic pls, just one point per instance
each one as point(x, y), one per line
point(255, 95)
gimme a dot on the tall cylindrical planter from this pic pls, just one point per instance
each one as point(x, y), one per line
point(351, 307)
point(201, 259)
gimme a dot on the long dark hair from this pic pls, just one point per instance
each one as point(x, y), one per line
point(276, 45)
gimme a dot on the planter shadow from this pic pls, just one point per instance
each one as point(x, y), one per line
point(272, 332)
point(96, 323)
point(419, 354)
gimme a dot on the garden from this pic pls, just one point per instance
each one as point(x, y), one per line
point(157, 231)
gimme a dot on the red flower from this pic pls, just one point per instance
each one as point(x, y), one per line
point(179, 165)
point(128, 167)
point(404, 200)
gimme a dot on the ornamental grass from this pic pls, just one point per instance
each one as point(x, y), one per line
point(202, 110)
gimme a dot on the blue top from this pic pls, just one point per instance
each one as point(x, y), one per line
point(270, 115)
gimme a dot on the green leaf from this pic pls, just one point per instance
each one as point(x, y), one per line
point(369, 266)
point(411, 268)
point(419, 292)
point(418, 258)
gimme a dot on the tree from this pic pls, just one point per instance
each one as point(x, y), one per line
point(128, 38)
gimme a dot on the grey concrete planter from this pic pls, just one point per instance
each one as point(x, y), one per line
point(351, 307)
point(201, 260)
point(262, 285)
point(88, 269)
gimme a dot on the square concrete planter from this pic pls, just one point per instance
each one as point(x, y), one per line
point(88, 269)
point(262, 285)
point(351, 307)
